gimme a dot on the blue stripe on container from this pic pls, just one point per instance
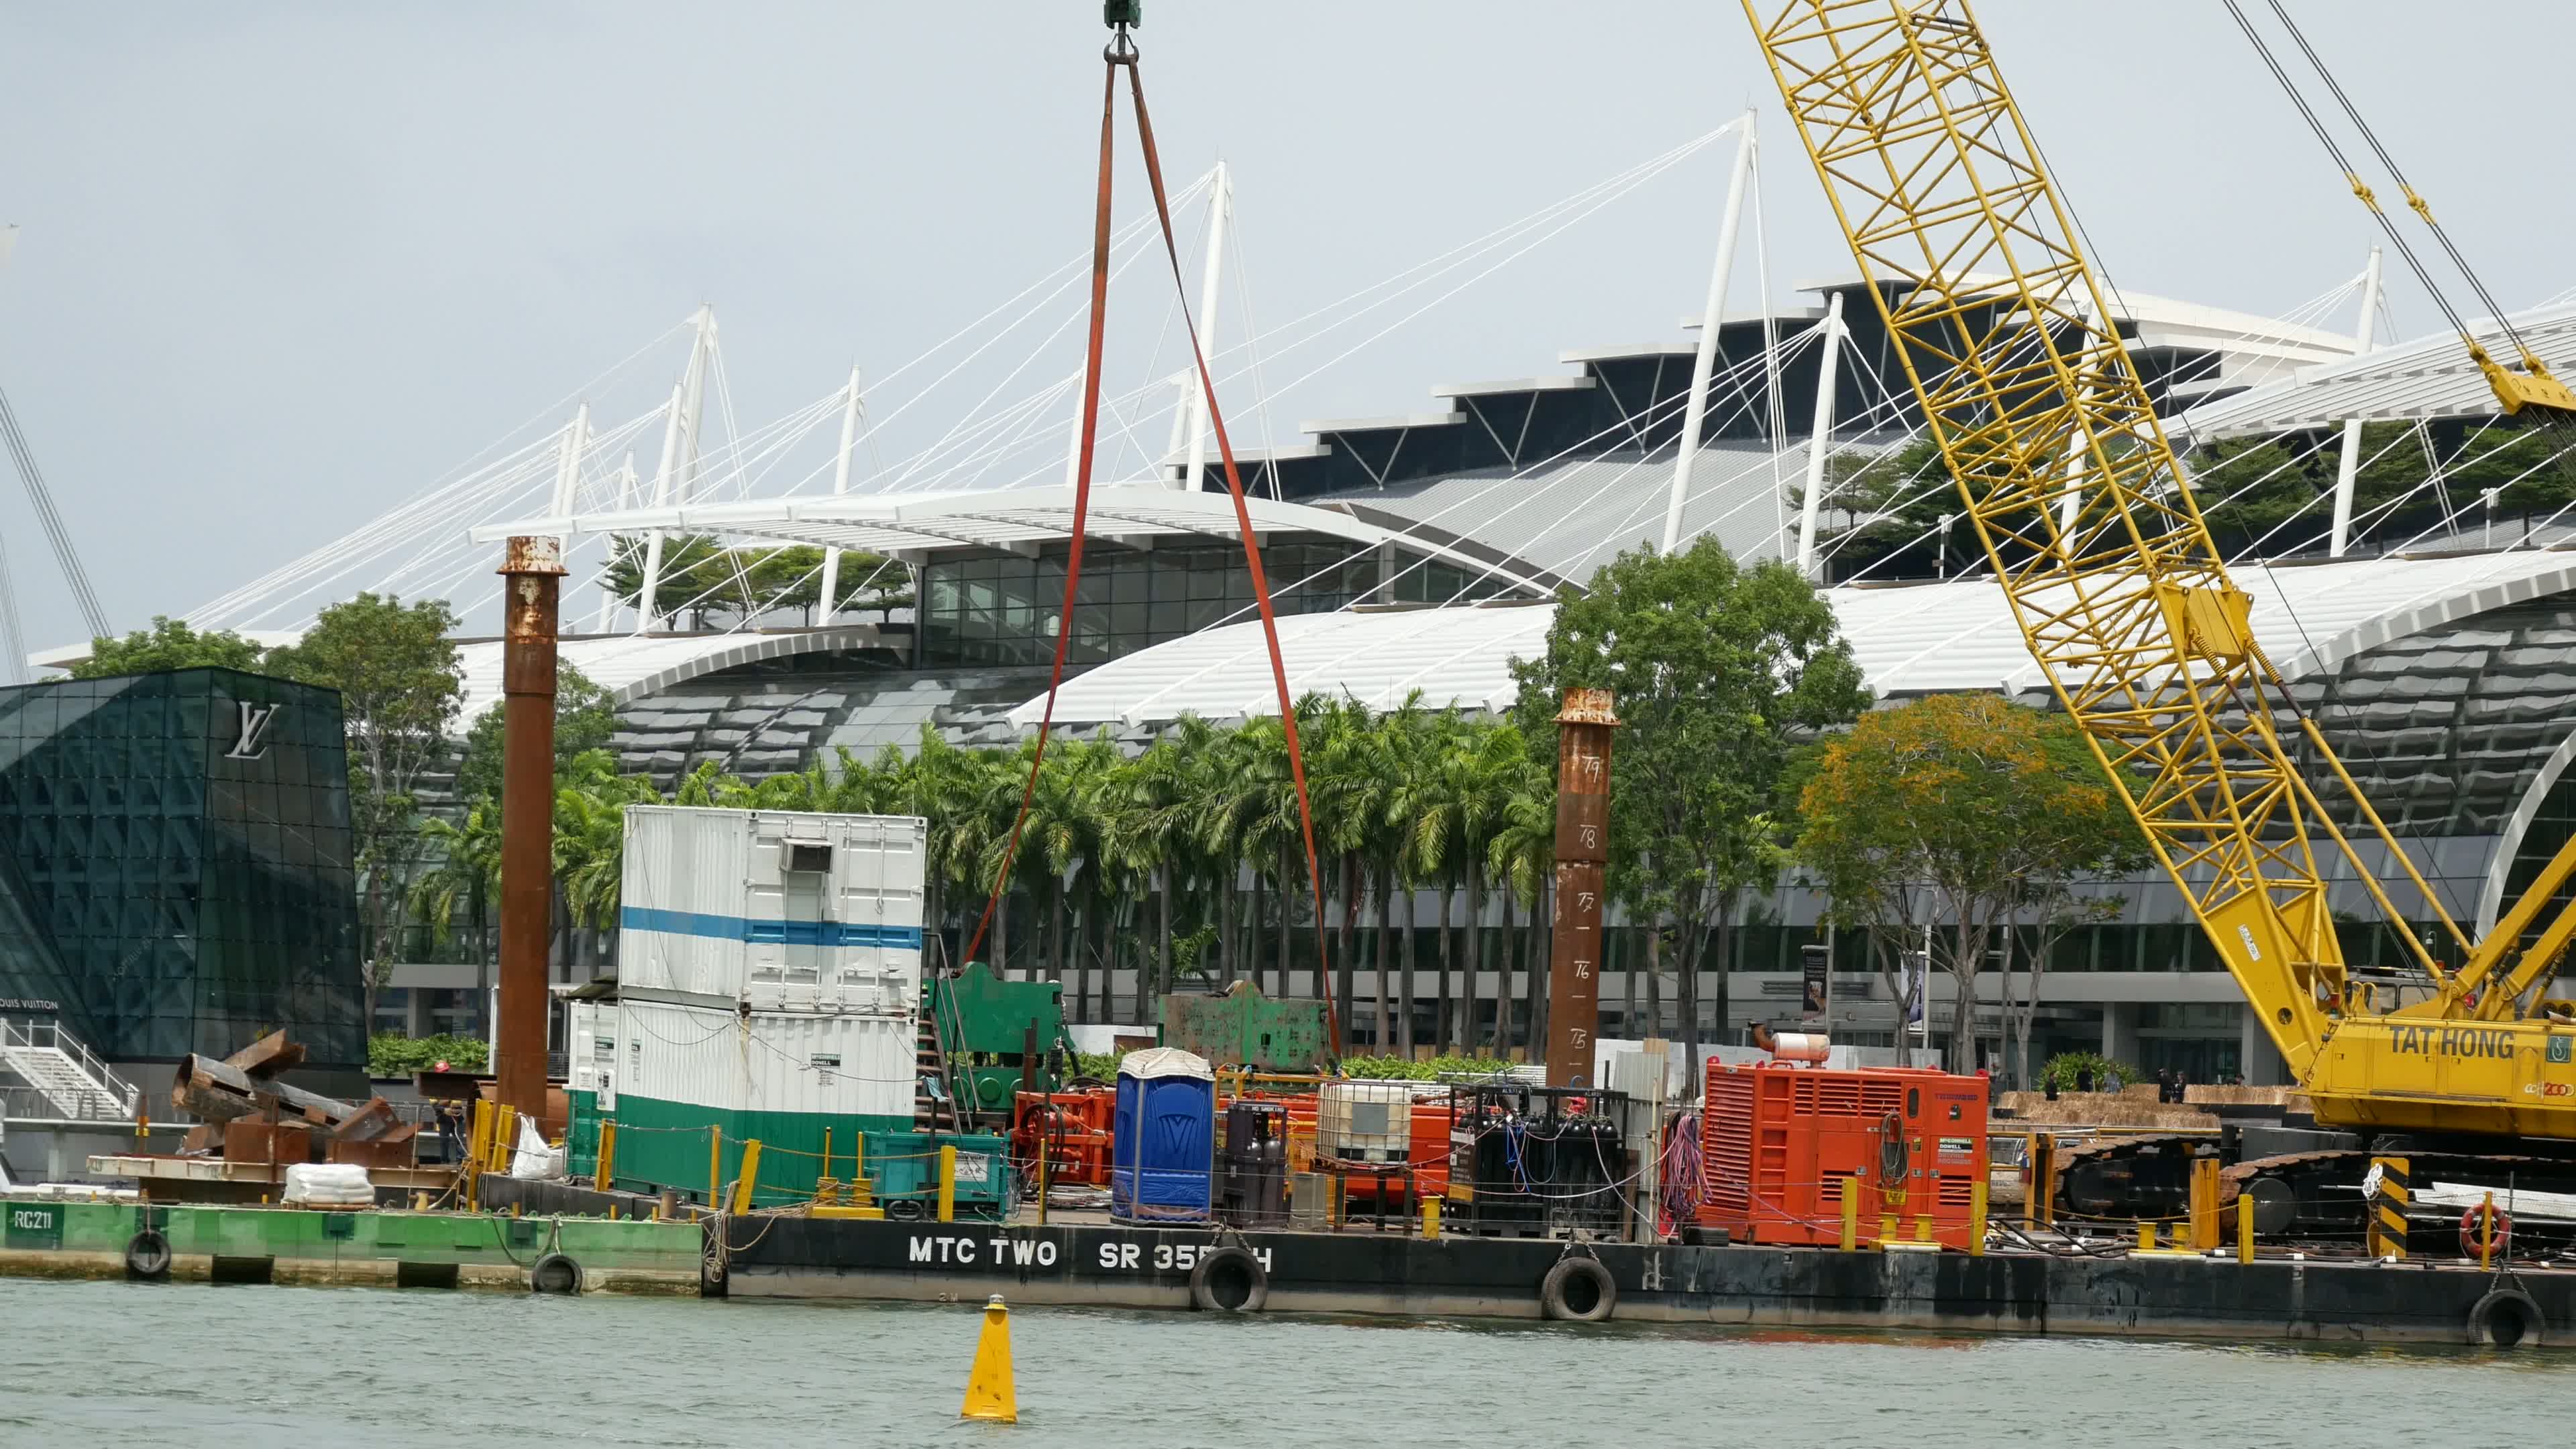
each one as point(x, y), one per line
point(792, 933)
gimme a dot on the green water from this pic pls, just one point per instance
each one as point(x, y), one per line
point(298, 1368)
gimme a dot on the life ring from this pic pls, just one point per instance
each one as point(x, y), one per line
point(2507, 1318)
point(1229, 1280)
point(147, 1255)
point(2499, 1242)
point(1578, 1290)
point(555, 1273)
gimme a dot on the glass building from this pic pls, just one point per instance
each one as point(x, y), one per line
point(175, 870)
point(1003, 609)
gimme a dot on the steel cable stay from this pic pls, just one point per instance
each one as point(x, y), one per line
point(1122, 54)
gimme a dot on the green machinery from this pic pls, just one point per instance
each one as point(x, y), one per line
point(989, 1031)
point(1240, 1027)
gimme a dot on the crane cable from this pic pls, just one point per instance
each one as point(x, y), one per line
point(1120, 54)
point(2361, 189)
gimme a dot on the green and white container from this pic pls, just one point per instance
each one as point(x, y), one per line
point(769, 984)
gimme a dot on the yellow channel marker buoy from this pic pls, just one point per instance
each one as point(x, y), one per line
point(989, 1394)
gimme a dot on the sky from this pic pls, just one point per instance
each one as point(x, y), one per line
point(283, 265)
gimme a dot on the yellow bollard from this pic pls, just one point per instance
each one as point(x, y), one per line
point(2244, 1228)
point(750, 1176)
point(2486, 1232)
point(948, 1183)
point(989, 1392)
point(607, 1156)
point(1851, 1214)
point(1431, 1217)
point(2146, 1237)
point(1922, 1230)
point(827, 1155)
point(2204, 1204)
point(1887, 1227)
point(2388, 1209)
point(1977, 1218)
point(715, 1165)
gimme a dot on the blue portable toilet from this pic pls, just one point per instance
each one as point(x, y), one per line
point(1162, 1146)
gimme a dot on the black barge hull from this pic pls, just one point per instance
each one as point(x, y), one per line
point(2160, 1296)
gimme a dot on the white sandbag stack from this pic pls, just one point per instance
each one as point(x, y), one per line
point(328, 1184)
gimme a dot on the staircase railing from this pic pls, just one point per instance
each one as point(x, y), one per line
point(105, 1096)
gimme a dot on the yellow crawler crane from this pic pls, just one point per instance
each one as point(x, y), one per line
point(2087, 521)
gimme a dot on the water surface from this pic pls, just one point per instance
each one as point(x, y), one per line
point(285, 1368)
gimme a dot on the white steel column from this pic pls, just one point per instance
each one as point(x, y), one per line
point(824, 610)
point(607, 618)
point(679, 463)
point(1220, 206)
point(1073, 436)
point(1695, 411)
point(645, 595)
point(1184, 385)
point(1775, 415)
point(576, 440)
point(694, 413)
point(1820, 438)
point(2079, 451)
point(2348, 466)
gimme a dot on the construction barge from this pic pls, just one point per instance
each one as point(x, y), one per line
point(536, 1229)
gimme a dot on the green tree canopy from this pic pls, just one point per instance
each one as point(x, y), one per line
point(1960, 814)
point(584, 719)
point(1717, 671)
point(396, 670)
point(705, 579)
point(168, 644)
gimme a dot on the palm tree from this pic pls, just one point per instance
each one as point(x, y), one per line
point(590, 836)
point(1149, 830)
point(468, 875)
point(1522, 857)
point(1349, 800)
point(1413, 747)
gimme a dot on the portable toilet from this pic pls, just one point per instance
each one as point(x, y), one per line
point(1162, 1151)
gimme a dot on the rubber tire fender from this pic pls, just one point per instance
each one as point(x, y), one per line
point(1552, 1291)
point(2482, 1316)
point(1203, 1288)
point(555, 1273)
point(147, 1255)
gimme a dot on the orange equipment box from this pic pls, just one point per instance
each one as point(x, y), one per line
point(1778, 1142)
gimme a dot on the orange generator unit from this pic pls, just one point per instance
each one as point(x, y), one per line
point(1780, 1144)
point(1072, 1128)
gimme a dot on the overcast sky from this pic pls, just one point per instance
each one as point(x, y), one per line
point(282, 265)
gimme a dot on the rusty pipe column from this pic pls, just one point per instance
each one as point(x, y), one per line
point(1583, 729)
point(530, 599)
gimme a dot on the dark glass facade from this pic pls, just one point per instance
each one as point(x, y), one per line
point(175, 863)
point(1003, 609)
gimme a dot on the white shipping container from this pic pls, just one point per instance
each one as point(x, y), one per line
point(847, 1065)
point(590, 1049)
point(781, 910)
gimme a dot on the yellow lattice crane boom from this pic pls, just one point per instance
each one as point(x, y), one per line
point(2088, 522)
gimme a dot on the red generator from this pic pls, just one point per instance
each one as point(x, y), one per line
point(1779, 1142)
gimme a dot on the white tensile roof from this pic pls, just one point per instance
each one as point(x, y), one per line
point(2429, 377)
point(1910, 639)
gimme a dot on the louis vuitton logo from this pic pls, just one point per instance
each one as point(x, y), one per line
point(251, 742)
